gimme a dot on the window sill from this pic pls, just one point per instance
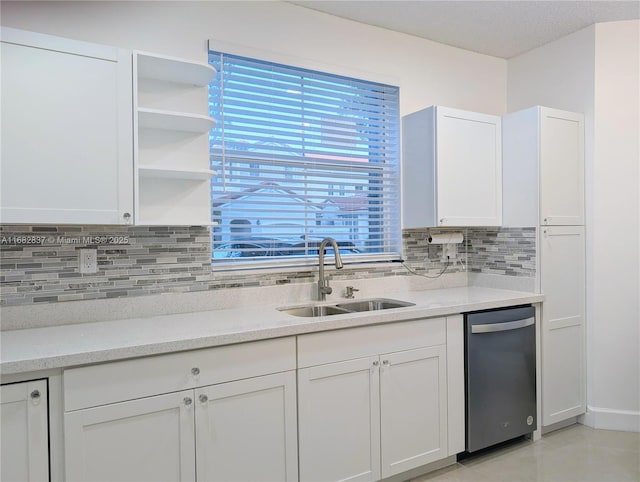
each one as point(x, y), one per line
point(258, 267)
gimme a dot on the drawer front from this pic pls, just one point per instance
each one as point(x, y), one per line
point(333, 346)
point(105, 383)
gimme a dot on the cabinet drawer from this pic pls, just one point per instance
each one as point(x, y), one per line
point(95, 385)
point(333, 346)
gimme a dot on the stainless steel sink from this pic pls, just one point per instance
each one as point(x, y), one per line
point(314, 310)
point(343, 308)
point(373, 305)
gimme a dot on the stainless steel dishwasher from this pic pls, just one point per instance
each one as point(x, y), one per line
point(500, 375)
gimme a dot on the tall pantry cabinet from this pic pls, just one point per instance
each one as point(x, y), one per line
point(543, 186)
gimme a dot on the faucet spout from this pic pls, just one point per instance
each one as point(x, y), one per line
point(323, 283)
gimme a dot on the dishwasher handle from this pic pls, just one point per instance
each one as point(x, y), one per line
point(509, 325)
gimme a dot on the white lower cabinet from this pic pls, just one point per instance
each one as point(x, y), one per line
point(247, 430)
point(208, 434)
point(25, 432)
point(375, 416)
point(357, 404)
point(339, 414)
point(235, 421)
point(147, 439)
point(413, 408)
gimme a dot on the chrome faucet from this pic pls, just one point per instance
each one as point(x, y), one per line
point(323, 283)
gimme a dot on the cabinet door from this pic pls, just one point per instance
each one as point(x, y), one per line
point(563, 330)
point(413, 407)
point(561, 168)
point(247, 430)
point(25, 431)
point(468, 168)
point(67, 139)
point(339, 421)
point(150, 439)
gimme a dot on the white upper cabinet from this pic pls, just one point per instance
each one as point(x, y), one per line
point(94, 134)
point(543, 167)
point(66, 131)
point(561, 168)
point(451, 168)
point(171, 140)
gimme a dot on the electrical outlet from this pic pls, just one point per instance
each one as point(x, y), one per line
point(88, 260)
point(450, 253)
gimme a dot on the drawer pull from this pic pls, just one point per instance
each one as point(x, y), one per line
point(203, 398)
point(195, 371)
point(187, 401)
point(35, 395)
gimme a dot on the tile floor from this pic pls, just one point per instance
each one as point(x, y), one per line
point(576, 453)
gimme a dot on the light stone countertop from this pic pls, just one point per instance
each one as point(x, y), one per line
point(54, 347)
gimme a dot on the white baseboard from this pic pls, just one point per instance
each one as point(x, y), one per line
point(608, 419)
point(559, 425)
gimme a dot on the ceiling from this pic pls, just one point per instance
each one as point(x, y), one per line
point(498, 28)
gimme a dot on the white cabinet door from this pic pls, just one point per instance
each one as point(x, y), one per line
point(150, 439)
point(413, 407)
point(561, 168)
point(67, 138)
point(451, 168)
point(25, 431)
point(563, 328)
point(468, 168)
point(339, 421)
point(247, 430)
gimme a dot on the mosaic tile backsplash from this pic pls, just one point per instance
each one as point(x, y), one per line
point(502, 251)
point(137, 261)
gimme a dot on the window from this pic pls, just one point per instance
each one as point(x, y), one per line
point(301, 155)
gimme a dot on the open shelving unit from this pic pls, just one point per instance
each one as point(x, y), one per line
point(171, 140)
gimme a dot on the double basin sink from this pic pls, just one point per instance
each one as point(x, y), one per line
point(346, 307)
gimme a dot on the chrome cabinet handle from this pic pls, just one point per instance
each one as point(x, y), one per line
point(385, 362)
point(203, 398)
point(187, 401)
point(195, 371)
point(376, 363)
point(35, 395)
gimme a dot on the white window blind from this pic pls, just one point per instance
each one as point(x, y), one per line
point(300, 156)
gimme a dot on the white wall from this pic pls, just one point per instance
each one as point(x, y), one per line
point(595, 71)
point(615, 347)
point(427, 72)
